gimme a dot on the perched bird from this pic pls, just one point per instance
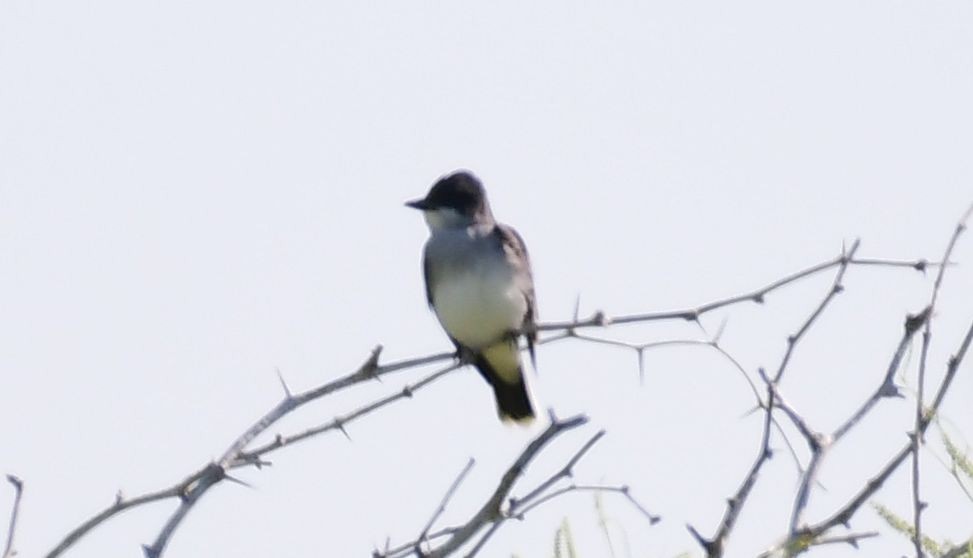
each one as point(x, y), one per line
point(479, 284)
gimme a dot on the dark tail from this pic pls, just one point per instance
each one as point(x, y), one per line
point(509, 388)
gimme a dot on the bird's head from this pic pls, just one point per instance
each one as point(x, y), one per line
point(455, 200)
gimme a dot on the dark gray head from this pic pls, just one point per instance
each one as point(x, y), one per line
point(455, 200)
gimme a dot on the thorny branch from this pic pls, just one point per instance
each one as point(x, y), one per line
point(240, 453)
point(491, 514)
point(715, 547)
point(801, 537)
point(917, 439)
point(844, 514)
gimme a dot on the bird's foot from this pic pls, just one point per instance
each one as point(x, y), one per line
point(464, 355)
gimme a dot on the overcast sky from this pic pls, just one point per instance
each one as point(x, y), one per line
point(194, 194)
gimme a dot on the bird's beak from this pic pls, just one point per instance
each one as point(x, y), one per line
point(420, 204)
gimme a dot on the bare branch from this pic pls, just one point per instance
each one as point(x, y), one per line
point(491, 512)
point(844, 514)
point(887, 387)
point(523, 507)
point(121, 504)
point(819, 444)
point(491, 515)
point(692, 314)
point(338, 423)
point(917, 438)
point(715, 547)
point(565, 471)
point(836, 288)
point(446, 497)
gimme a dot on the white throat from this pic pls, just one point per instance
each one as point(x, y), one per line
point(444, 218)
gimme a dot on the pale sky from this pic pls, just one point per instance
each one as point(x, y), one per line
point(194, 194)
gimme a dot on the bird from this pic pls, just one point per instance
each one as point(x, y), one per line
point(480, 286)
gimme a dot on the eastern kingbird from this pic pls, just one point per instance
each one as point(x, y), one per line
point(478, 281)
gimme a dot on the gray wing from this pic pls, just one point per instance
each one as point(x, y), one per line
point(515, 248)
point(427, 276)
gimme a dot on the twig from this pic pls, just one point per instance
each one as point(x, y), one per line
point(844, 514)
point(121, 504)
point(836, 288)
point(917, 439)
point(490, 514)
point(887, 387)
point(523, 508)
point(819, 444)
point(715, 547)
point(338, 423)
point(9, 551)
point(446, 497)
point(599, 319)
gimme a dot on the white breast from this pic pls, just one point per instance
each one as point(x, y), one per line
point(477, 309)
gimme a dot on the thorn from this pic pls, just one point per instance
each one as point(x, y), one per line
point(340, 425)
point(920, 266)
point(370, 367)
point(700, 539)
point(691, 316)
point(753, 410)
point(853, 543)
point(923, 505)
point(119, 497)
point(838, 289)
point(641, 358)
point(279, 439)
point(407, 391)
point(719, 332)
point(237, 481)
point(791, 339)
point(600, 319)
point(551, 416)
point(758, 298)
point(769, 454)
point(890, 390)
point(257, 462)
point(914, 322)
point(283, 383)
point(149, 552)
